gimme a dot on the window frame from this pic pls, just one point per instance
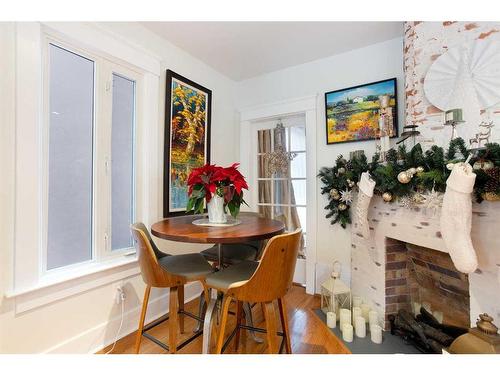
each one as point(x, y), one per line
point(30, 286)
point(104, 67)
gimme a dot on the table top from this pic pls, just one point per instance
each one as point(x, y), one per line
point(182, 229)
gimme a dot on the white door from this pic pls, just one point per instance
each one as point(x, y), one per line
point(281, 191)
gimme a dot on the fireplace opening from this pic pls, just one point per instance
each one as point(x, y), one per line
point(418, 276)
point(426, 297)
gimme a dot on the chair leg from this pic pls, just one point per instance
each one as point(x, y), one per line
point(239, 316)
point(141, 320)
point(207, 332)
point(225, 313)
point(284, 325)
point(270, 315)
point(247, 308)
point(206, 293)
point(180, 295)
point(202, 305)
point(173, 319)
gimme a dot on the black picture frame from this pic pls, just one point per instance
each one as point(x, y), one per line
point(395, 110)
point(172, 77)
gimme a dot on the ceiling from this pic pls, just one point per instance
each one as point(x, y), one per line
point(242, 50)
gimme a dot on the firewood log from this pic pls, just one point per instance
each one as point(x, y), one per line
point(408, 320)
point(451, 330)
point(433, 333)
point(436, 346)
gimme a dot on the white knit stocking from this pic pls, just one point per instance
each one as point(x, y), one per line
point(456, 217)
point(366, 186)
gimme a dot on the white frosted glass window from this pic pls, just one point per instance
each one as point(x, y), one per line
point(298, 166)
point(122, 162)
point(299, 191)
point(301, 211)
point(71, 106)
point(297, 138)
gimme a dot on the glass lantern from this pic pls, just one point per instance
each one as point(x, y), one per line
point(335, 294)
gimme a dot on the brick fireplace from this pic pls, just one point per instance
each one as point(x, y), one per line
point(416, 274)
point(405, 260)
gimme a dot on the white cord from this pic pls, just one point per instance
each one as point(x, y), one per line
point(122, 300)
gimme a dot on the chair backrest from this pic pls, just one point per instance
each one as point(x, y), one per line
point(274, 275)
point(159, 254)
point(152, 273)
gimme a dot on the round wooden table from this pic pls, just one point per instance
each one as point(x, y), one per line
point(252, 228)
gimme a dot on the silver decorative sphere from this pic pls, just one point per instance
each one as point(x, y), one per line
point(404, 177)
point(341, 170)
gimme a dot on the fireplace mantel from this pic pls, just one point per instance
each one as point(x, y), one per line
point(418, 227)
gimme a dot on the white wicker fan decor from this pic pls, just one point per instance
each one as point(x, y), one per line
point(466, 74)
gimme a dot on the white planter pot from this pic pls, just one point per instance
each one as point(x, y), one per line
point(216, 210)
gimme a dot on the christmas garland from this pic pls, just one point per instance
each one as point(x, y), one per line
point(411, 177)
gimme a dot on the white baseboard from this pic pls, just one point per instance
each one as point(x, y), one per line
point(102, 335)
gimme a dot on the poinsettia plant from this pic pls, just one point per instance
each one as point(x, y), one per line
point(205, 182)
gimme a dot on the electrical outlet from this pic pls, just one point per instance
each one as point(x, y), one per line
point(119, 293)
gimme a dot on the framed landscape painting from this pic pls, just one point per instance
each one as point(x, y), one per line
point(187, 138)
point(353, 114)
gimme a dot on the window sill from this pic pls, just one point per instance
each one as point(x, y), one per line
point(62, 285)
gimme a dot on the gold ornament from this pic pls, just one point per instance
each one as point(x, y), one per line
point(420, 169)
point(342, 207)
point(341, 170)
point(483, 164)
point(334, 193)
point(387, 196)
point(411, 171)
point(404, 177)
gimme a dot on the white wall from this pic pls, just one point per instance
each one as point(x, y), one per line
point(83, 322)
point(368, 64)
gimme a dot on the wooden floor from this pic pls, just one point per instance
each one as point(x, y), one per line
point(308, 333)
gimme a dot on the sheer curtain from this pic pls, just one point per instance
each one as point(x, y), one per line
point(276, 190)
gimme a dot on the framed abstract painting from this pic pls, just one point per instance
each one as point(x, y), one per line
point(354, 113)
point(187, 138)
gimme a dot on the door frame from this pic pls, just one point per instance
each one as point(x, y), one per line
point(248, 166)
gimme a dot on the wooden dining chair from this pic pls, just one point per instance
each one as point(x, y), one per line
point(262, 282)
point(160, 270)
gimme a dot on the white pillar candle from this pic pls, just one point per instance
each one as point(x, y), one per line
point(365, 309)
point(416, 308)
point(356, 301)
point(360, 326)
point(373, 317)
point(345, 317)
point(438, 315)
point(356, 311)
point(331, 319)
point(347, 335)
point(376, 334)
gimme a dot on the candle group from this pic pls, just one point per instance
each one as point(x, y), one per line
point(354, 321)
